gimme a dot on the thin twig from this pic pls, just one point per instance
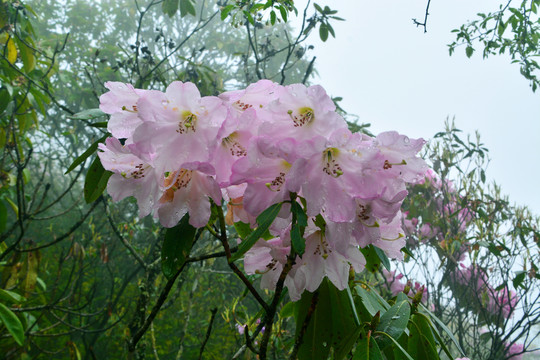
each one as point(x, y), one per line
point(208, 332)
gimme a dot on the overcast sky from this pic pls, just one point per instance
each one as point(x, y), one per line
point(395, 77)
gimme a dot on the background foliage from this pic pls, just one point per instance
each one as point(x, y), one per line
point(83, 280)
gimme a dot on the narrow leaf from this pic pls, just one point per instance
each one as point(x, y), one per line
point(264, 220)
point(403, 351)
point(87, 114)
point(92, 149)
point(177, 246)
point(96, 181)
point(12, 323)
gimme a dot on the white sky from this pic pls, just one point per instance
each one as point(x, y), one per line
point(395, 77)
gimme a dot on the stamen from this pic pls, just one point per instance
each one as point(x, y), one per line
point(276, 184)
point(234, 146)
point(331, 166)
point(242, 106)
point(137, 173)
point(188, 122)
point(182, 181)
point(305, 116)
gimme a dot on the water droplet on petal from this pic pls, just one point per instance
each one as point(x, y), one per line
point(406, 140)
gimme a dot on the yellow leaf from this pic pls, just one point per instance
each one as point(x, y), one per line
point(30, 275)
point(11, 51)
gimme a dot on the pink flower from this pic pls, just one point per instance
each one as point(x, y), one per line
point(515, 351)
point(178, 126)
point(188, 190)
point(132, 175)
point(121, 103)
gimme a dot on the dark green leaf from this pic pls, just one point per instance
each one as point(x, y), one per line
point(438, 336)
point(319, 9)
point(5, 98)
point(518, 280)
point(444, 327)
point(331, 322)
point(264, 220)
point(96, 181)
point(186, 7)
point(10, 297)
point(382, 256)
point(283, 12)
point(346, 345)
point(371, 300)
point(300, 214)
point(421, 341)
point(323, 32)
point(87, 114)
point(12, 324)
point(373, 261)
point(367, 349)
point(298, 242)
point(469, 51)
point(101, 124)
point(394, 321)
point(397, 344)
point(169, 7)
point(92, 149)
point(272, 17)
point(177, 246)
point(3, 216)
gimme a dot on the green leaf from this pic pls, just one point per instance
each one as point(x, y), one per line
point(225, 11)
point(12, 323)
point(518, 280)
point(3, 216)
point(346, 345)
point(372, 301)
point(169, 7)
point(96, 181)
point(319, 9)
point(394, 321)
point(323, 32)
point(5, 98)
point(403, 351)
point(186, 7)
point(330, 323)
point(373, 261)
point(100, 124)
point(382, 256)
point(272, 17)
point(264, 220)
point(469, 51)
point(442, 326)
point(301, 216)
point(287, 310)
point(87, 114)
point(297, 241)
point(283, 12)
point(242, 229)
point(367, 349)
point(421, 343)
point(438, 336)
point(248, 16)
point(10, 297)
point(92, 149)
point(177, 246)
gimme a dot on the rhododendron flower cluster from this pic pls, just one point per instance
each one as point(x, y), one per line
point(175, 151)
point(474, 290)
point(446, 213)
